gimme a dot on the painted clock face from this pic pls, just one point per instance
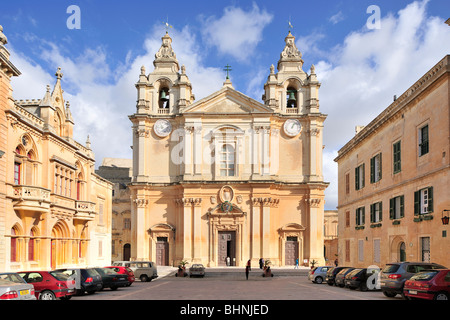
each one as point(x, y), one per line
point(162, 128)
point(292, 127)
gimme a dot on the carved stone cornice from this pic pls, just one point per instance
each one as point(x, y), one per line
point(266, 202)
point(142, 133)
point(141, 203)
point(313, 202)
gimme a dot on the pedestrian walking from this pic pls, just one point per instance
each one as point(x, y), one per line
point(228, 261)
point(336, 262)
point(261, 263)
point(296, 264)
point(248, 268)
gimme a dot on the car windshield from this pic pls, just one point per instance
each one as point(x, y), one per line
point(197, 266)
point(92, 272)
point(59, 275)
point(13, 277)
point(108, 271)
point(391, 268)
point(354, 272)
point(424, 276)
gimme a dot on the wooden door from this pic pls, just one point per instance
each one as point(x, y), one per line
point(162, 252)
point(227, 247)
point(291, 251)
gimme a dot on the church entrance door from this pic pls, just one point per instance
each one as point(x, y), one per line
point(291, 250)
point(227, 248)
point(162, 252)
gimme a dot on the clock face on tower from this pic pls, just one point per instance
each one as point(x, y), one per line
point(292, 127)
point(162, 128)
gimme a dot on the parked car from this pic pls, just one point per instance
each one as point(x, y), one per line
point(50, 285)
point(112, 279)
point(197, 270)
point(430, 285)
point(331, 275)
point(143, 270)
point(13, 287)
point(340, 276)
point(124, 270)
point(362, 278)
point(318, 274)
point(86, 280)
point(394, 275)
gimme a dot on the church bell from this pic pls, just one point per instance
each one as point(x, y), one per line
point(292, 97)
point(164, 97)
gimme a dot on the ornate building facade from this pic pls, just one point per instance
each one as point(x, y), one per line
point(227, 176)
point(55, 211)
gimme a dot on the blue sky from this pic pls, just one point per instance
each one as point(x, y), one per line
point(360, 69)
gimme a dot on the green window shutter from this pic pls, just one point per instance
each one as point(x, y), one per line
point(357, 217)
point(416, 203)
point(430, 199)
point(372, 213)
point(372, 170)
point(357, 178)
point(391, 208)
point(380, 206)
point(363, 215)
point(363, 175)
point(380, 168)
point(402, 206)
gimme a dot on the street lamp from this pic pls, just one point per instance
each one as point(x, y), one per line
point(445, 219)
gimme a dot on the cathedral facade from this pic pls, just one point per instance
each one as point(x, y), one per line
point(227, 178)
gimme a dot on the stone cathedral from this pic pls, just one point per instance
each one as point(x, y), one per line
point(227, 177)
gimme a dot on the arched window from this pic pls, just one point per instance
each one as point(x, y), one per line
point(164, 98)
point(291, 96)
point(402, 252)
point(32, 246)
point(18, 168)
point(14, 245)
point(227, 160)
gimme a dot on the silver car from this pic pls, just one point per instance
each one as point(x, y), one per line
point(318, 274)
point(13, 287)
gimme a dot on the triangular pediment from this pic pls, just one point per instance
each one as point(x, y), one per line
point(227, 101)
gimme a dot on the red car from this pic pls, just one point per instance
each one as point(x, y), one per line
point(50, 285)
point(430, 285)
point(124, 270)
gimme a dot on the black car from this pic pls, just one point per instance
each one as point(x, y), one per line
point(86, 280)
point(362, 278)
point(112, 279)
point(331, 275)
point(340, 277)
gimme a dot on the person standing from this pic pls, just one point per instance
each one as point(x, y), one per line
point(261, 263)
point(296, 264)
point(247, 269)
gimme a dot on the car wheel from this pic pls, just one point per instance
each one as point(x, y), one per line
point(441, 296)
point(389, 294)
point(65, 298)
point(363, 287)
point(47, 295)
point(319, 280)
point(144, 278)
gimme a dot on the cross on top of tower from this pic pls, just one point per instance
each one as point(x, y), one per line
point(58, 73)
point(227, 69)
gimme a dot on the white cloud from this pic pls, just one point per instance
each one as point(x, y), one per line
point(237, 32)
point(360, 77)
point(338, 17)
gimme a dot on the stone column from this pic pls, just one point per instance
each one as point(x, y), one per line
point(187, 152)
point(265, 245)
point(198, 254)
point(316, 223)
point(139, 230)
point(187, 228)
point(198, 154)
point(256, 230)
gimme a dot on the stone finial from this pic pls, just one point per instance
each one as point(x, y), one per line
point(272, 69)
point(313, 69)
point(59, 74)
point(183, 69)
point(88, 143)
point(143, 71)
point(3, 39)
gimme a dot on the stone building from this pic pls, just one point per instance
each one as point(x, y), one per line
point(331, 236)
point(227, 176)
point(394, 178)
point(119, 172)
point(55, 211)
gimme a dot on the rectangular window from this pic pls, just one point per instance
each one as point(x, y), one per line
point(423, 141)
point(347, 183)
point(127, 223)
point(359, 177)
point(397, 157)
point(100, 248)
point(423, 201)
point(361, 250)
point(376, 212)
point(16, 173)
point(397, 207)
point(347, 218)
point(347, 250)
point(100, 211)
point(375, 168)
point(227, 157)
point(376, 251)
point(360, 216)
point(425, 249)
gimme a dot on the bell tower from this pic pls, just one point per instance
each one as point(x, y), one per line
point(166, 90)
point(291, 90)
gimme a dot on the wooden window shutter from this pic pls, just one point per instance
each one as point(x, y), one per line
point(372, 213)
point(430, 199)
point(416, 203)
point(380, 171)
point(402, 206)
point(392, 208)
point(357, 178)
point(372, 170)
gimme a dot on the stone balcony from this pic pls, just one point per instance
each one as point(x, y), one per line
point(30, 199)
point(84, 210)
